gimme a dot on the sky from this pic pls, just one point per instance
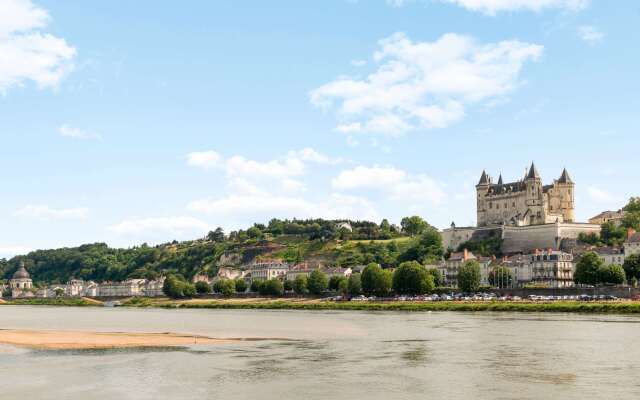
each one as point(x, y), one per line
point(129, 122)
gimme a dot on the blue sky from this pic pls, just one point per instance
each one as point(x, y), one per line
point(130, 122)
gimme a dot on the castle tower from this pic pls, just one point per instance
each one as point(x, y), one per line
point(534, 198)
point(565, 188)
point(482, 188)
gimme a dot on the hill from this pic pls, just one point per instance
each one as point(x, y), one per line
point(328, 242)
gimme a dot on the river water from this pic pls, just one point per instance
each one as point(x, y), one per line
point(331, 355)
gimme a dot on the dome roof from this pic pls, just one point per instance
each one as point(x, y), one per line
point(21, 273)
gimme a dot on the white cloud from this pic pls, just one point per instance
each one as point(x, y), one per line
point(47, 213)
point(176, 226)
point(425, 84)
point(599, 195)
point(10, 251)
point(358, 63)
point(590, 34)
point(203, 159)
point(265, 205)
point(395, 183)
point(27, 53)
point(368, 178)
point(69, 131)
point(492, 7)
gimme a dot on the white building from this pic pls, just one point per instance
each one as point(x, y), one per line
point(611, 255)
point(551, 268)
point(265, 270)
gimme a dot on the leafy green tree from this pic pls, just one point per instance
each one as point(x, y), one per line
point(188, 289)
point(427, 248)
point(632, 266)
point(613, 274)
point(254, 232)
point(216, 236)
point(376, 281)
point(227, 287)
point(500, 277)
point(255, 285)
point(202, 287)
point(272, 287)
point(335, 280)
point(59, 292)
point(241, 285)
point(613, 235)
point(288, 285)
point(317, 282)
point(469, 276)
point(412, 278)
point(177, 288)
point(354, 285)
point(631, 218)
point(343, 286)
point(436, 275)
point(587, 269)
point(413, 225)
point(300, 284)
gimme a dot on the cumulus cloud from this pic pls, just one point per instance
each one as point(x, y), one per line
point(69, 131)
point(425, 84)
point(175, 226)
point(48, 213)
point(600, 196)
point(396, 184)
point(590, 34)
point(492, 7)
point(28, 54)
point(257, 206)
point(203, 159)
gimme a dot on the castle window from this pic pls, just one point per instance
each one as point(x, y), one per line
point(490, 205)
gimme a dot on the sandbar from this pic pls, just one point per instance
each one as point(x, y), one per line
point(78, 340)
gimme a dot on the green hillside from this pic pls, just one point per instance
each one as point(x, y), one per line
point(328, 242)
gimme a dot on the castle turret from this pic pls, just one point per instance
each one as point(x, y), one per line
point(534, 199)
point(564, 187)
point(482, 188)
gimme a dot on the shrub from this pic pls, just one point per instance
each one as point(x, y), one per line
point(202, 287)
point(241, 285)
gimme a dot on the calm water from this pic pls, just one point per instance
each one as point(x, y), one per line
point(338, 355)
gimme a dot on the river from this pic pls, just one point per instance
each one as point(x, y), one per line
point(330, 355)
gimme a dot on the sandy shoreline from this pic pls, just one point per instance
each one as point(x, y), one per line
point(76, 340)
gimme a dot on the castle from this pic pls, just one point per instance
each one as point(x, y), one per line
point(525, 202)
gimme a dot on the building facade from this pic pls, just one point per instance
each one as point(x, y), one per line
point(525, 202)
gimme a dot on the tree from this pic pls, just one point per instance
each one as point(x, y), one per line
point(300, 284)
point(427, 248)
point(59, 292)
point(202, 287)
point(412, 278)
point(587, 269)
point(255, 285)
point(631, 218)
point(375, 280)
point(355, 285)
point(335, 280)
point(241, 285)
point(437, 276)
point(227, 287)
point(317, 282)
point(176, 287)
point(288, 285)
point(254, 232)
point(613, 274)
point(613, 235)
point(216, 236)
point(272, 287)
point(413, 225)
point(343, 286)
point(469, 276)
point(500, 277)
point(632, 266)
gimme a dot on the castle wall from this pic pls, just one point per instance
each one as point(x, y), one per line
point(522, 239)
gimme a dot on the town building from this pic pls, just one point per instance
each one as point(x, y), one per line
point(610, 255)
point(20, 283)
point(266, 269)
point(614, 217)
point(632, 245)
point(526, 201)
point(551, 268)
